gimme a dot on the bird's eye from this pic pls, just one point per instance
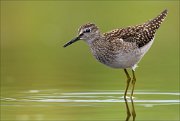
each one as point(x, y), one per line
point(88, 30)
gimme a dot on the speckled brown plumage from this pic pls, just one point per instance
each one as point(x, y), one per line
point(120, 48)
point(140, 34)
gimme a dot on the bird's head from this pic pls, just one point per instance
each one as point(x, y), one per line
point(87, 32)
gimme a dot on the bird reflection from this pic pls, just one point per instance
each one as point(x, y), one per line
point(130, 112)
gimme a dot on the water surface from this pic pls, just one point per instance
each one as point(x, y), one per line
point(52, 104)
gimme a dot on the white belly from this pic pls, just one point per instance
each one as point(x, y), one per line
point(130, 59)
point(126, 60)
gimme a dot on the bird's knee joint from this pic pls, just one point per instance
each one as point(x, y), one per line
point(128, 79)
point(134, 80)
point(128, 114)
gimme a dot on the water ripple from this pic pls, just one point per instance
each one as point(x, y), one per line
point(55, 96)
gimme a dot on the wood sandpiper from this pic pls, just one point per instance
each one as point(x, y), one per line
point(121, 48)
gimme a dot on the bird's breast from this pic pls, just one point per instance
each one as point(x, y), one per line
point(117, 59)
point(104, 56)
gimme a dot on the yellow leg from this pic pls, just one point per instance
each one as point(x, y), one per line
point(128, 81)
point(133, 82)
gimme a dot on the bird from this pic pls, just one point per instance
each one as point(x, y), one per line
point(121, 48)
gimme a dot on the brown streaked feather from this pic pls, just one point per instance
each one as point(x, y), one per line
point(140, 34)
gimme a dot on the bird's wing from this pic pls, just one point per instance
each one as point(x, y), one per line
point(139, 34)
point(128, 34)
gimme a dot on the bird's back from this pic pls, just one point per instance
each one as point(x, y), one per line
point(139, 34)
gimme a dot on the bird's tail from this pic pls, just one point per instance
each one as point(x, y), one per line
point(155, 23)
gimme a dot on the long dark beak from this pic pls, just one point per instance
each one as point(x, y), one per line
point(73, 40)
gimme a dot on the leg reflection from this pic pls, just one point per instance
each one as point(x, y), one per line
point(133, 110)
point(128, 111)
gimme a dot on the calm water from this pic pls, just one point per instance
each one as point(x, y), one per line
point(41, 80)
point(52, 104)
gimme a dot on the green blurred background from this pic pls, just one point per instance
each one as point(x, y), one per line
point(32, 56)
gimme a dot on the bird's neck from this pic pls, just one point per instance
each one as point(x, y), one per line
point(96, 41)
point(98, 45)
